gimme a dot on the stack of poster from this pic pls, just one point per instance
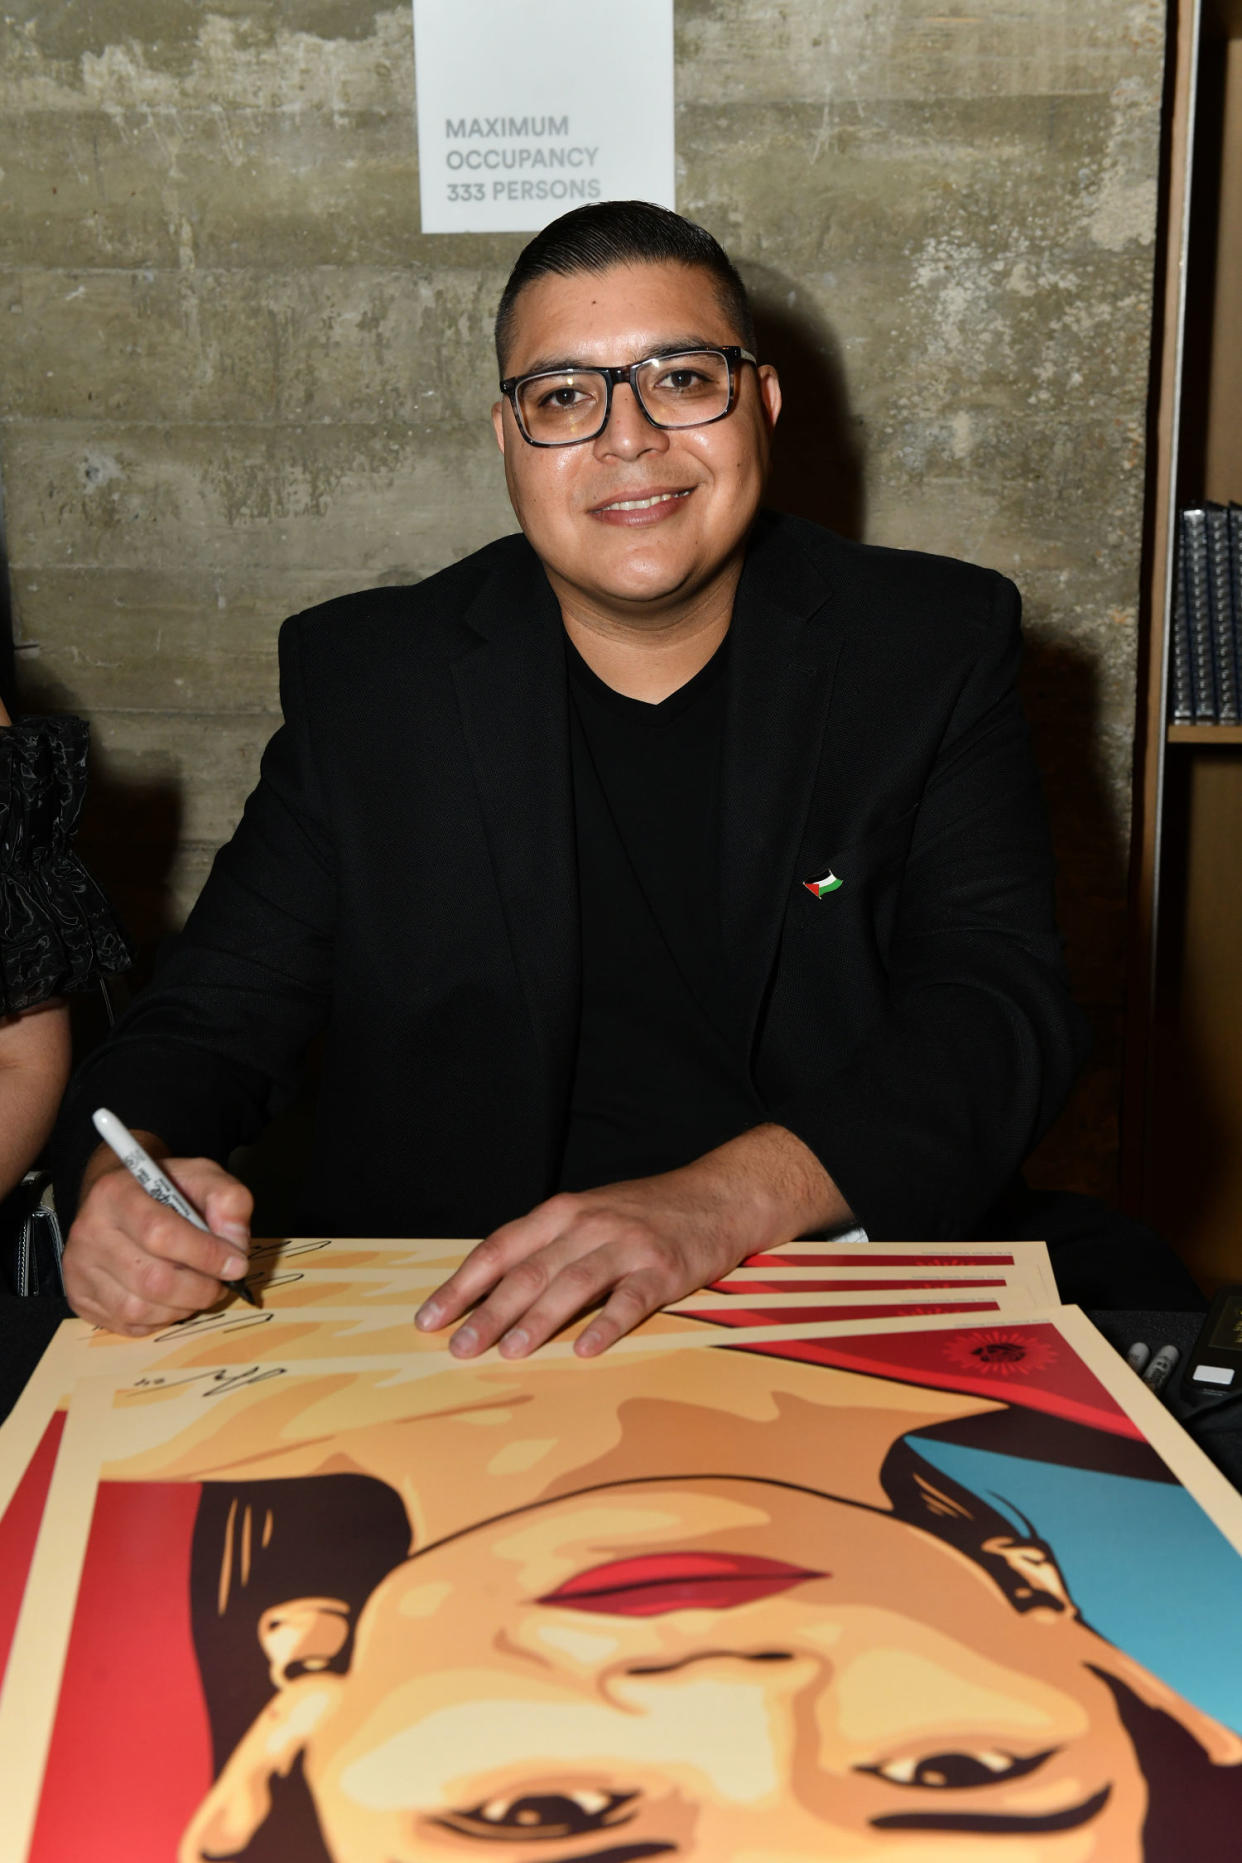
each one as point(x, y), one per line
point(1205, 659)
point(862, 1549)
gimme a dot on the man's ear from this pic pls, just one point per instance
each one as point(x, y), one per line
point(241, 1798)
point(498, 424)
point(769, 393)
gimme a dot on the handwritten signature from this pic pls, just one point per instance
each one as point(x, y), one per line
point(217, 1382)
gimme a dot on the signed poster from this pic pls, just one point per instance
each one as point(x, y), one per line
point(896, 1590)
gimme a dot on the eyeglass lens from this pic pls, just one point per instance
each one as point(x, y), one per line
point(676, 391)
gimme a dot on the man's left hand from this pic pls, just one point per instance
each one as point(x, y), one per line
point(635, 1246)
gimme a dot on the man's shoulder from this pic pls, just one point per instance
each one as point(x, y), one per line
point(926, 586)
point(427, 612)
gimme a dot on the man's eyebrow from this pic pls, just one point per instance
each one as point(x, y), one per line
point(674, 346)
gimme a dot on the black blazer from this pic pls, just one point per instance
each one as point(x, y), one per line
point(403, 880)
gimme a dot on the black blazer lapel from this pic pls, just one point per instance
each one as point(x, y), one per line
point(511, 689)
point(783, 657)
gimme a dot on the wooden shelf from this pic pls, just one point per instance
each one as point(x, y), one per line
point(1182, 1119)
point(1204, 734)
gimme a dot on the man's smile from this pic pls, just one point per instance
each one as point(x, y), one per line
point(651, 504)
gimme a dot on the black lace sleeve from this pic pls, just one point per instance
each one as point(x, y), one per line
point(57, 929)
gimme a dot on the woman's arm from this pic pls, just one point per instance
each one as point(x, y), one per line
point(34, 1066)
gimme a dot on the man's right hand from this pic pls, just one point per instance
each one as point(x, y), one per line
point(132, 1265)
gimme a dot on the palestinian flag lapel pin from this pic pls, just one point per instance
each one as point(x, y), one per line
point(828, 883)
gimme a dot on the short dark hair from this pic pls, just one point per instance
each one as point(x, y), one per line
point(607, 233)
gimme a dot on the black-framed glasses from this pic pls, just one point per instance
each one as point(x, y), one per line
point(564, 407)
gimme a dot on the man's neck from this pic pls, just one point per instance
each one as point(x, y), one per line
point(645, 667)
point(651, 659)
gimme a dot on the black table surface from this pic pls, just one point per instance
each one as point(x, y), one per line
point(26, 1328)
point(1216, 1425)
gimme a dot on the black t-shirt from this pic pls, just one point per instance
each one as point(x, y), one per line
point(660, 1075)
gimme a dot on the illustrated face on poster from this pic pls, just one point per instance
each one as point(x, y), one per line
point(698, 1602)
point(675, 1664)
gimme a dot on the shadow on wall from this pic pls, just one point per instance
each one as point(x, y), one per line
point(1060, 690)
point(7, 684)
point(1190, 1171)
point(129, 835)
point(817, 459)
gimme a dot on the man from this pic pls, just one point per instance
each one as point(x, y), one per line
point(667, 882)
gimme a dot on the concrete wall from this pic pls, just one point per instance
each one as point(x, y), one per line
point(235, 378)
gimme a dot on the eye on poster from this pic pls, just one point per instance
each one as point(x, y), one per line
point(525, 112)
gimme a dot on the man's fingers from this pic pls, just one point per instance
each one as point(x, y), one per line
point(222, 1201)
point(636, 1245)
point(630, 1303)
point(133, 1265)
point(226, 1207)
point(536, 1299)
point(634, 1298)
point(492, 1259)
point(172, 1271)
point(602, 1251)
point(164, 1240)
point(106, 1302)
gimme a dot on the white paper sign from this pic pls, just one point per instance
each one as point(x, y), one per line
point(528, 109)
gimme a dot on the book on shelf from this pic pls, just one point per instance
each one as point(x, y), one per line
point(1205, 650)
point(1222, 618)
point(1181, 662)
point(1234, 525)
point(1195, 577)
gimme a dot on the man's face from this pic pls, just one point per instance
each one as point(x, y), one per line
point(610, 552)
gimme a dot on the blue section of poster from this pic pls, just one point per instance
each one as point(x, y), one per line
point(1144, 1564)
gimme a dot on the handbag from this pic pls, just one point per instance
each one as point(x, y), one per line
point(33, 1243)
